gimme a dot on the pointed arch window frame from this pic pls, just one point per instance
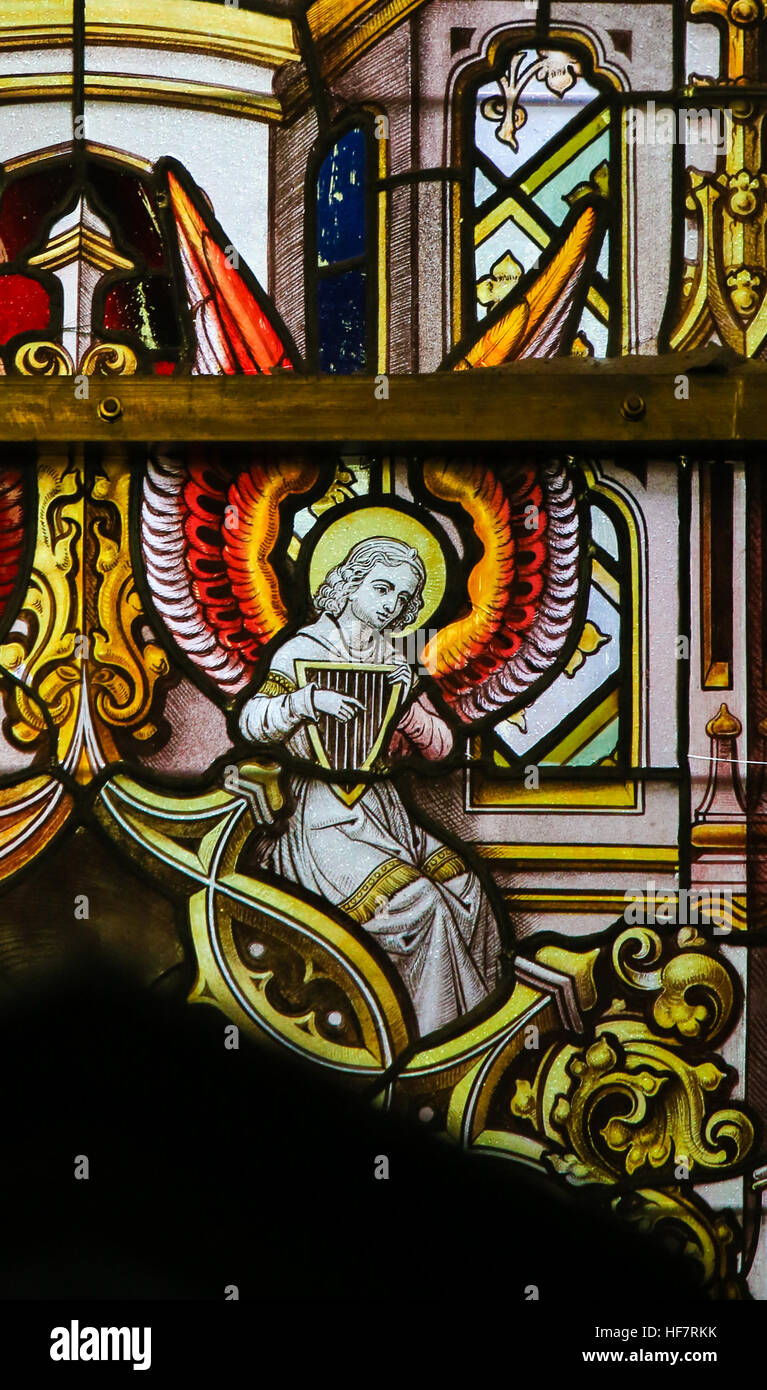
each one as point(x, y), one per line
point(375, 255)
point(475, 72)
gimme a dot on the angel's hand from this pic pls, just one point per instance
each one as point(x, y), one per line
point(404, 675)
point(341, 707)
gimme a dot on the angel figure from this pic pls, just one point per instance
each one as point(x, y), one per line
point(337, 693)
point(416, 896)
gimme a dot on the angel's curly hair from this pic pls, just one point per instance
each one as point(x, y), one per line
point(340, 583)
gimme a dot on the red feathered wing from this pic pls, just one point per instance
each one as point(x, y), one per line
point(523, 589)
point(207, 536)
point(236, 328)
point(11, 531)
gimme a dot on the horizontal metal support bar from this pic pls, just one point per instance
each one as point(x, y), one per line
point(669, 403)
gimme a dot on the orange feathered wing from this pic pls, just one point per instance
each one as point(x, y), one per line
point(207, 536)
point(535, 325)
point(522, 591)
point(256, 496)
point(235, 326)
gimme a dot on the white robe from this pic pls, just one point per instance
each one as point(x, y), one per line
point(425, 908)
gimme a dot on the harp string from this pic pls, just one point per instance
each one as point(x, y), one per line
point(349, 745)
point(345, 763)
point(369, 686)
point(337, 724)
point(355, 722)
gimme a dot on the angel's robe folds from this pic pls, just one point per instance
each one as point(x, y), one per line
point(426, 909)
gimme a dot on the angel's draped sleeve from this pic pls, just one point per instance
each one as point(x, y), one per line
point(278, 708)
point(423, 729)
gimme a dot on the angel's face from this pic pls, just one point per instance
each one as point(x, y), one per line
point(382, 595)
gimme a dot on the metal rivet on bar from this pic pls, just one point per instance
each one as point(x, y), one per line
point(633, 408)
point(109, 409)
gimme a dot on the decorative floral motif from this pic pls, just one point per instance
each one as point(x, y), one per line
point(556, 71)
point(591, 639)
point(504, 276)
point(745, 290)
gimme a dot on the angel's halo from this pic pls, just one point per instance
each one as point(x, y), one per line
point(346, 531)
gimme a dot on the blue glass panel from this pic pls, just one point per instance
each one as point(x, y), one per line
point(342, 308)
point(341, 201)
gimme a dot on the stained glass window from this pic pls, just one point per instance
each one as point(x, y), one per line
point(403, 707)
point(540, 150)
point(345, 278)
